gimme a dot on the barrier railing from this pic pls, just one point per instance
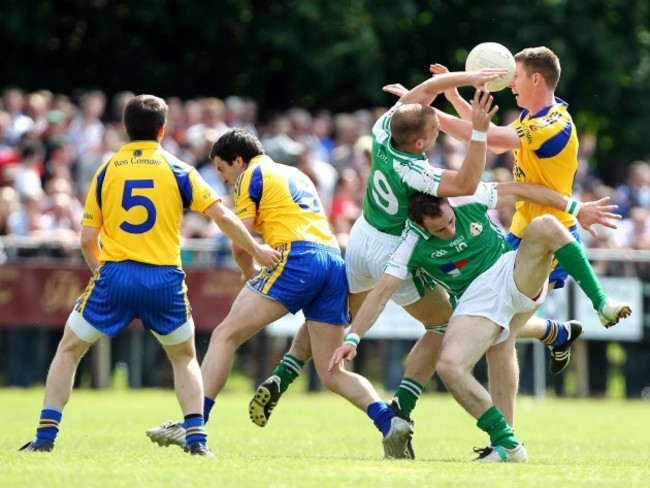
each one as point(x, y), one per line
point(40, 292)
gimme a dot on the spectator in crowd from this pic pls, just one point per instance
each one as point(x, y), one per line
point(346, 133)
point(346, 205)
point(27, 180)
point(86, 129)
point(635, 192)
point(90, 162)
point(323, 129)
point(213, 115)
point(37, 105)
point(13, 102)
point(60, 161)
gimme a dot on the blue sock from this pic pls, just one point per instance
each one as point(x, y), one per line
point(208, 403)
point(48, 425)
point(381, 415)
point(195, 429)
point(556, 333)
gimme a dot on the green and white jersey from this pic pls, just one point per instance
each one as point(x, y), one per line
point(394, 177)
point(453, 264)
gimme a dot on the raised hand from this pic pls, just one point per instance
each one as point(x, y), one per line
point(597, 212)
point(438, 69)
point(478, 79)
point(396, 89)
point(482, 110)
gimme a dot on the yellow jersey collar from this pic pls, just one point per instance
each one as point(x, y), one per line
point(257, 159)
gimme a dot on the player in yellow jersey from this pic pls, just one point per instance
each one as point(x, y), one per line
point(544, 142)
point(131, 242)
point(281, 203)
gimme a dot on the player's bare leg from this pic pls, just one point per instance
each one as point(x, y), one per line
point(466, 340)
point(58, 388)
point(397, 432)
point(189, 392)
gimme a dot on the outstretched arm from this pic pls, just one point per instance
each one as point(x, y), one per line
point(461, 105)
point(499, 138)
point(587, 214)
point(427, 91)
point(367, 315)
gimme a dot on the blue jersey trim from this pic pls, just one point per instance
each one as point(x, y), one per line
point(555, 144)
point(256, 187)
point(100, 185)
point(182, 178)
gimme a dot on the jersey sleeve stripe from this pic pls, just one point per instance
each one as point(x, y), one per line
point(256, 186)
point(555, 144)
point(182, 177)
point(100, 184)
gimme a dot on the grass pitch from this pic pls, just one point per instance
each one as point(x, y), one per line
point(319, 440)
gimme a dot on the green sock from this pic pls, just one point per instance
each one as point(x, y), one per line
point(407, 394)
point(573, 260)
point(288, 370)
point(501, 434)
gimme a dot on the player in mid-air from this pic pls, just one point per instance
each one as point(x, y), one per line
point(131, 241)
point(454, 244)
point(544, 142)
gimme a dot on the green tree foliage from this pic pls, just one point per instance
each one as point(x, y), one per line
point(335, 54)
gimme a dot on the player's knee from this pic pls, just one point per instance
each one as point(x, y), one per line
point(332, 380)
point(448, 368)
point(227, 333)
point(545, 224)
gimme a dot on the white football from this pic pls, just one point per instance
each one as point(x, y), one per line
point(492, 55)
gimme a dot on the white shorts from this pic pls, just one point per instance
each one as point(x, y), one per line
point(494, 295)
point(365, 257)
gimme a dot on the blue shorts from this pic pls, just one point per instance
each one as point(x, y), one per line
point(558, 275)
point(122, 291)
point(311, 278)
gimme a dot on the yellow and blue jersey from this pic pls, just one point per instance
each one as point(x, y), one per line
point(137, 199)
point(284, 203)
point(548, 157)
point(290, 217)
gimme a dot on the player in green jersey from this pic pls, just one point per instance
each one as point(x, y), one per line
point(454, 244)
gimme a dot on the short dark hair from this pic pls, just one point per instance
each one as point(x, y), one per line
point(237, 142)
point(409, 122)
point(423, 205)
point(144, 116)
point(543, 61)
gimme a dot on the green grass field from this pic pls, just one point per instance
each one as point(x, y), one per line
point(319, 440)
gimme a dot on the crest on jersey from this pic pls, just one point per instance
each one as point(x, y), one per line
point(475, 228)
point(453, 269)
point(137, 153)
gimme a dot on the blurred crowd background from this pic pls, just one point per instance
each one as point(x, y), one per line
point(51, 144)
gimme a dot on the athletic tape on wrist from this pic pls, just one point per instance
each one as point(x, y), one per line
point(572, 207)
point(353, 339)
point(478, 136)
